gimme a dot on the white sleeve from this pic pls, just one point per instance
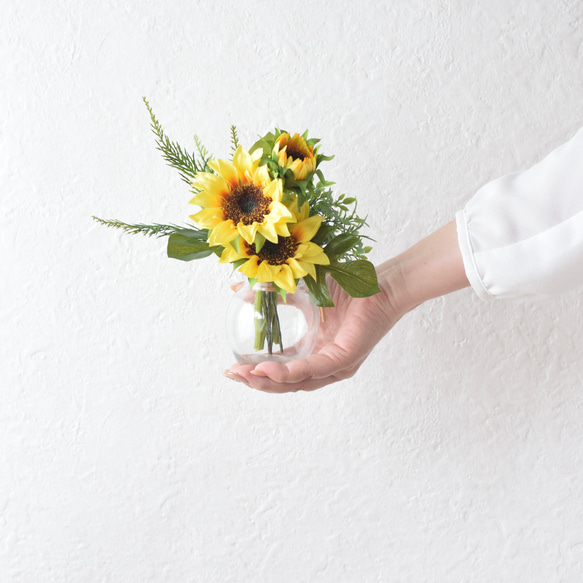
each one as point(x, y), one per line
point(522, 235)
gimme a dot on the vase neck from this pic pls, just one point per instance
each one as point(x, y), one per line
point(264, 287)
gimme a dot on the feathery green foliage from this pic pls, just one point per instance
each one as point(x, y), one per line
point(234, 139)
point(154, 230)
point(187, 164)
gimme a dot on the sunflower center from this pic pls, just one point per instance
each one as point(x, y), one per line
point(246, 204)
point(296, 152)
point(276, 253)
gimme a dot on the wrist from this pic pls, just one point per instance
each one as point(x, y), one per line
point(431, 268)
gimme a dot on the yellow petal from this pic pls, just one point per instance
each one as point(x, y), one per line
point(243, 162)
point(227, 171)
point(267, 272)
point(281, 229)
point(297, 269)
point(309, 267)
point(208, 218)
point(229, 255)
point(267, 229)
point(281, 158)
point(285, 279)
point(274, 190)
point(210, 182)
point(304, 212)
point(312, 253)
point(261, 175)
point(279, 212)
point(205, 199)
point(249, 268)
point(248, 232)
point(306, 229)
point(223, 233)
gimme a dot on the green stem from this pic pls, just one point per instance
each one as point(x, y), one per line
point(266, 320)
point(260, 320)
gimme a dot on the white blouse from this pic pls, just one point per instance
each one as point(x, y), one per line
point(522, 235)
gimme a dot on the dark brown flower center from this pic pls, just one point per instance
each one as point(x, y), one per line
point(246, 204)
point(296, 152)
point(276, 253)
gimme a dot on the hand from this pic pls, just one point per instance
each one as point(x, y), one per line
point(431, 268)
point(350, 331)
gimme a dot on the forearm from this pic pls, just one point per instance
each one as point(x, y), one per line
point(431, 268)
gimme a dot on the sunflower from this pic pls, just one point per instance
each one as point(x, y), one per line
point(240, 199)
point(295, 154)
point(286, 260)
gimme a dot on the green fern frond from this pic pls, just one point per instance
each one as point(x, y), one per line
point(154, 230)
point(234, 139)
point(186, 163)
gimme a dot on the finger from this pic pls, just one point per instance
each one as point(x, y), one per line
point(316, 366)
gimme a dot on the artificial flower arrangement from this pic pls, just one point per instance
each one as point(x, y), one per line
point(271, 214)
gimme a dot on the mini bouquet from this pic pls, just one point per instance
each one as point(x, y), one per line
point(271, 214)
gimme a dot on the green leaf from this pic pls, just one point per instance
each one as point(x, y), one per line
point(319, 291)
point(236, 244)
point(357, 278)
point(340, 245)
point(238, 263)
point(259, 242)
point(322, 233)
point(187, 248)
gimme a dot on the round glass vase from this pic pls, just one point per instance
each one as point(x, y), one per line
point(261, 326)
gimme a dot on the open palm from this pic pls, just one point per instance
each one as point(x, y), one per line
point(351, 330)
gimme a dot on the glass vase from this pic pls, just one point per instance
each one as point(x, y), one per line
point(261, 326)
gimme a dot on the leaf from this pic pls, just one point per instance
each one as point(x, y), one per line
point(322, 233)
point(319, 291)
point(259, 242)
point(357, 278)
point(340, 245)
point(238, 263)
point(187, 248)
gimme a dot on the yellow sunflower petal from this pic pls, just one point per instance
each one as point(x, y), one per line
point(261, 175)
point(281, 229)
point(243, 162)
point(297, 269)
point(226, 170)
point(268, 230)
point(229, 255)
point(208, 218)
point(285, 279)
point(249, 268)
point(223, 233)
point(206, 199)
point(306, 229)
point(309, 267)
point(279, 212)
point(267, 272)
point(248, 232)
point(210, 182)
point(312, 253)
point(274, 190)
point(281, 157)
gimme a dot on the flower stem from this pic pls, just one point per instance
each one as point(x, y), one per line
point(267, 324)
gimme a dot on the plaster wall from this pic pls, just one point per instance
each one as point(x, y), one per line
point(125, 456)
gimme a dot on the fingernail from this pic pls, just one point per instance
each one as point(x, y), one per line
point(235, 377)
point(257, 373)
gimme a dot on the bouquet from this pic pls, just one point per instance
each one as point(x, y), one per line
point(270, 213)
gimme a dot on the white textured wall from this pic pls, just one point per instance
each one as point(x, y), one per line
point(453, 456)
